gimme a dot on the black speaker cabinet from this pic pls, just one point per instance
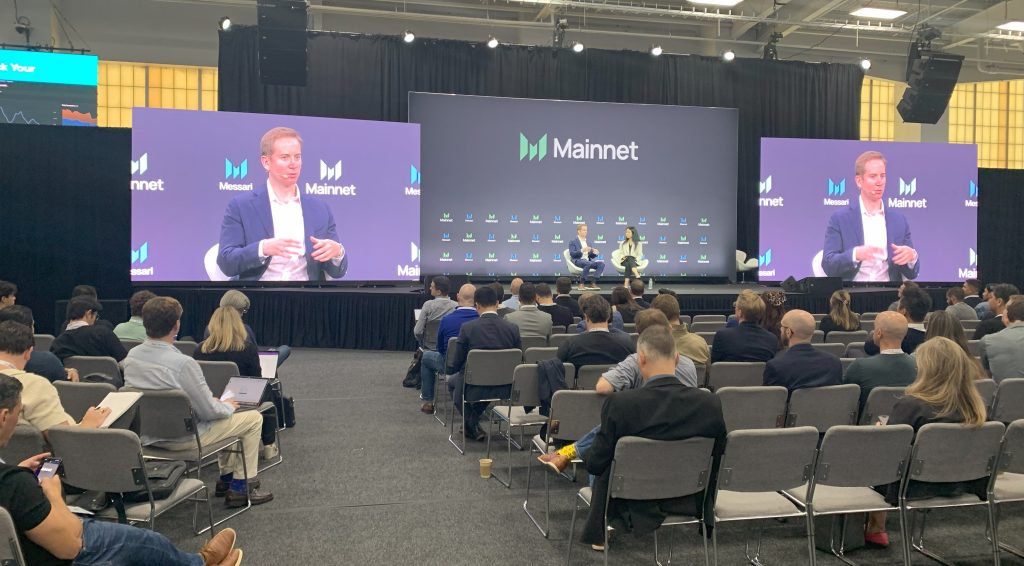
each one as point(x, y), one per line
point(282, 43)
point(931, 77)
point(819, 285)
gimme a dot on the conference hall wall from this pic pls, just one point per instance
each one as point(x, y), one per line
point(506, 183)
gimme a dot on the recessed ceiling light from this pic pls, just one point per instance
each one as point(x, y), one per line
point(728, 55)
point(865, 64)
point(878, 13)
point(656, 50)
point(1012, 26)
point(725, 3)
point(577, 47)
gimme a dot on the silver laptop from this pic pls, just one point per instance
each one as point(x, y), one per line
point(268, 363)
point(248, 392)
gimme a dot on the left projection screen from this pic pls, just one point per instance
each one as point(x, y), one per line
point(201, 206)
point(50, 89)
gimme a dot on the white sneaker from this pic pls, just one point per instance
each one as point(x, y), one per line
point(271, 451)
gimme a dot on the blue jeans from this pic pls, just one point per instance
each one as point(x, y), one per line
point(282, 354)
point(113, 544)
point(430, 364)
point(596, 266)
point(584, 443)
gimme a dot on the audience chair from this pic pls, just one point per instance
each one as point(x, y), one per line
point(629, 327)
point(484, 368)
point(758, 464)
point(819, 316)
point(557, 340)
point(43, 342)
point(430, 334)
point(855, 350)
point(823, 407)
point(559, 329)
point(534, 355)
point(974, 347)
point(635, 337)
point(987, 389)
point(129, 344)
point(96, 365)
point(706, 326)
point(847, 362)
point(533, 342)
point(867, 326)
point(217, 375)
point(1008, 486)
point(880, 402)
point(837, 350)
point(753, 407)
point(846, 337)
point(186, 347)
point(441, 382)
point(645, 469)
point(868, 316)
point(947, 452)
point(685, 319)
point(735, 374)
point(573, 414)
point(1008, 404)
point(851, 460)
point(587, 376)
point(26, 442)
point(514, 415)
point(970, 325)
point(77, 398)
point(818, 337)
point(10, 553)
point(168, 414)
point(708, 318)
point(702, 374)
point(708, 337)
point(576, 320)
point(111, 461)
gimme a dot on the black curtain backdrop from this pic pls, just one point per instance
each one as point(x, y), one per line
point(370, 77)
point(1000, 226)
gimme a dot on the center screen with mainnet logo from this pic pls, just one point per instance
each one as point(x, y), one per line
point(868, 211)
point(201, 206)
point(507, 181)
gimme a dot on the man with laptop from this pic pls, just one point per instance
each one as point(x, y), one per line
point(157, 365)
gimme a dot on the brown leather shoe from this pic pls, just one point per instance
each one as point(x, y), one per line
point(223, 486)
point(234, 558)
point(427, 408)
point(256, 497)
point(218, 548)
point(555, 461)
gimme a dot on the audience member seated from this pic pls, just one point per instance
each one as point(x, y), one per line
point(982, 308)
point(529, 318)
point(50, 533)
point(616, 324)
point(83, 337)
point(157, 365)
point(687, 344)
point(489, 332)
point(499, 291)
point(227, 342)
point(622, 302)
point(512, 303)
point(972, 290)
point(43, 409)
point(238, 301)
point(560, 316)
point(1002, 353)
point(598, 345)
point(748, 341)
point(802, 365)
point(774, 310)
point(998, 299)
point(434, 309)
point(563, 285)
point(636, 289)
point(892, 367)
point(941, 323)
point(88, 291)
point(943, 392)
point(914, 306)
point(433, 360)
point(42, 362)
point(839, 316)
point(958, 308)
point(626, 375)
point(133, 329)
point(8, 294)
point(895, 305)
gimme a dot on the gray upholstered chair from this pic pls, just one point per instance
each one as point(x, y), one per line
point(43, 342)
point(753, 407)
point(987, 390)
point(483, 368)
point(513, 413)
point(557, 340)
point(855, 350)
point(880, 402)
point(533, 342)
point(77, 398)
point(846, 336)
point(707, 325)
point(735, 374)
point(1008, 486)
point(823, 407)
point(708, 318)
point(10, 553)
point(26, 442)
point(96, 365)
point(1008, 405)
point(217, 375)
point(534, 355)
point(837, 350)
point(587, 376)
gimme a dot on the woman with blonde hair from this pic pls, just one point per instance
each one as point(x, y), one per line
point(228, 342)
point(839, 316)
point(944, 392)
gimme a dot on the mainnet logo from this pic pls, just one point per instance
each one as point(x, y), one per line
point(765, 186)
point(330, 172)
point(765, 201)
point(538, 150)
point(139, 167)
point(907, 189)
point(971, 271)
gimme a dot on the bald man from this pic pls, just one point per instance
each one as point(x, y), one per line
point(892, 367)
point(433, 362)
point(513, 301)
point(801, 365)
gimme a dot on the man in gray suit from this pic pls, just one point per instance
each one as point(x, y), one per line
point(531, 320)
point(1002, 353)
point(957, 308)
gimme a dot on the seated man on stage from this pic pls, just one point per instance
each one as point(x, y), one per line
point(583, 255)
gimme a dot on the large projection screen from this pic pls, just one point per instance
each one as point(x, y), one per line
point(506, 182)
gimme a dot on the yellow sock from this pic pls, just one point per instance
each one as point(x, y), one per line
point(568, 451)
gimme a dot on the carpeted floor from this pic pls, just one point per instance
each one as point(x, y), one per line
point(368, 479)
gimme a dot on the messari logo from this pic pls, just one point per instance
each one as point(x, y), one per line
point(490, 237)
point(972, 195)
point(642, 221)
point(446, 236)
point(836, 189)
point(232, 171)
point(557, 219)
point(703, 240)
point(682, 259)
point(413, 190)
point(469, 217)
point(662, 239)
point(514, 219)
point(140, 256)
point(535, 238)
point(763, 261)
point(599, 220)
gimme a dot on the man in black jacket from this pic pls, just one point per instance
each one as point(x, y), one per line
point(564, 285)
point(746, 342)
point(914, 304)
point(999, 299)
point(662, 409)
point(489, 332)
point(802, 365)
point(83, 337)
point(560, 315)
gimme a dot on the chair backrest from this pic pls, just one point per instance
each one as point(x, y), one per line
point(685, 319)
point(10, 553)
point(557, 340)
point(218, 374)
point(867, 325)
point(77, 398)
point(129, 344)
point(99, 459)
point(846, 336)
point(823, 407)
point(660, 469)
point(753, 407)
point(735, 374)
point(96, 365)
point(26, 442)
point(635, 337)
point(574, 414)
point(768, 460)
point(847, 362)
point(868, 316)
point(947, 452)
point(708, 318)
point(587, 376)
point(1013, 444)
point(430, 334)
point(855, 350)
point(534, 355)
point(863, 456)
point(707, 326)
point(629, 327)
point(558, 329)
point(449, 359)
point(708, 337)
point(819, 316)
point(533, 342)
point(165, 413)
point(1008, 404)
point(491, 367)
point(43, 342)
point(970, 324)
point(987, 390)
point(880, 402)
point(186, 347)
point(974, 347)
point(817, 337)
point(837, 350)
point(525, 385)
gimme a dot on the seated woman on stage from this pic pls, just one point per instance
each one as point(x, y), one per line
point(632, 251)
point(839, 316)
point(228, 342)
point(944, 392)
point(623, 303)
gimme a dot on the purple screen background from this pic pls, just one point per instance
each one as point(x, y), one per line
point(802, 173)
point(185, 154)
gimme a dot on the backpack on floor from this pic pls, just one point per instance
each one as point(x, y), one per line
point(412, 375)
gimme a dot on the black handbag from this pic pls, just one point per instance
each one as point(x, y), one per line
point(412, 375)
point(163, 478)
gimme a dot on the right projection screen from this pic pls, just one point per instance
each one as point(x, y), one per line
point(819, 217)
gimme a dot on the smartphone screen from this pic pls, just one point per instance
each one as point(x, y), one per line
point(48, 468)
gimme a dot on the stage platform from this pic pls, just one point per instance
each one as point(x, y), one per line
point(381, 318)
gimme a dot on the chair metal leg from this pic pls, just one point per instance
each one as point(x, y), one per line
point(440, 388)
point(905, 534)
point(756, 559)
point(810, 536)
point(529, 475)
point(993, 525)
point(839, 524)
point(209, 512)
point(917, 540)
point(714, 543)
point(451, 430)
point(572, 527)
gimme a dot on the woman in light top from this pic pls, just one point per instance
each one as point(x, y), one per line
point(632, 251)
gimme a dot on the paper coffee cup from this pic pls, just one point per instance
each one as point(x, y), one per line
point(485, 467)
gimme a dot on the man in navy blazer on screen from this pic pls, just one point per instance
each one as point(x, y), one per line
point(276, 233)
point(866, 242)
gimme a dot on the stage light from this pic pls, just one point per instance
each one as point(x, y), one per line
point(1012, 26)
point(771, 49)
point(878, 13)
point(493, 42)
point(408, 36)
point(656, 50)
point(577, 47)
point(225, 24)
point(728, 55)
point(865, 63)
